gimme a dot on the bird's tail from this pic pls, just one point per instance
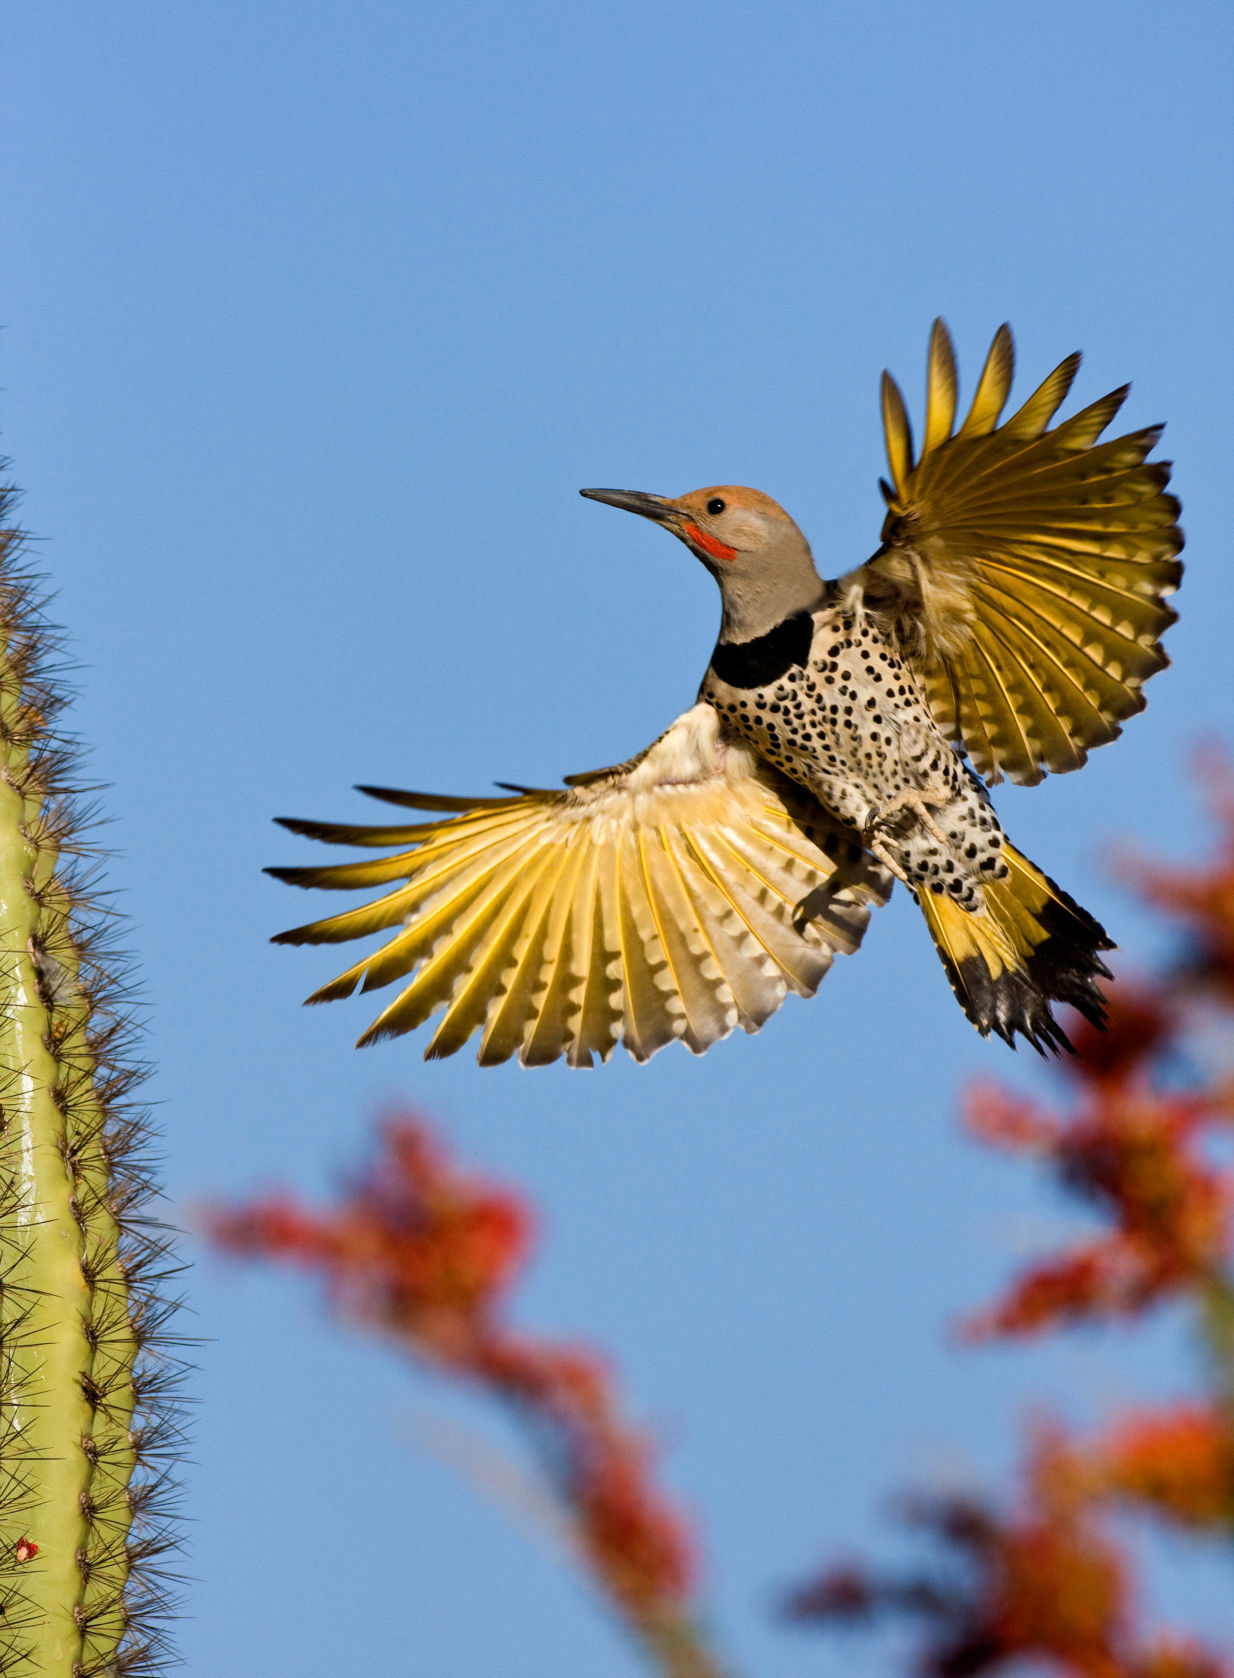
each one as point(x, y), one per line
point(1028, 946)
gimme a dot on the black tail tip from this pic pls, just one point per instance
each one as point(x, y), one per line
point(1011, 1006)
point(1065, 967)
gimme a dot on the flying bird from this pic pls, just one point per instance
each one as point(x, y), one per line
point(844, 737)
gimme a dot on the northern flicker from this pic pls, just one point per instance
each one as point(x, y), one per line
point(841, 738)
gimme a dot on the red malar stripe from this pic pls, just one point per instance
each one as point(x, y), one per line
point(709, 544)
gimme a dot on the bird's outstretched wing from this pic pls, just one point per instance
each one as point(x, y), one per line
point(676, 896)
point(1023, 568)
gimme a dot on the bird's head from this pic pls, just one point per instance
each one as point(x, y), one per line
point(747, 541)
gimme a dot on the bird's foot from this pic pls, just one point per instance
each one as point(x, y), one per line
point(888, 816)
point(920, 804)
point(879, 849)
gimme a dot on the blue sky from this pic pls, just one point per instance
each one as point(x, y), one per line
point(316, 316)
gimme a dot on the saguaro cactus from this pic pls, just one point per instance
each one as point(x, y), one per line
point(87, 1422)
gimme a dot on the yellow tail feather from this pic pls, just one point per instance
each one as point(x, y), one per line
point(1027, 946)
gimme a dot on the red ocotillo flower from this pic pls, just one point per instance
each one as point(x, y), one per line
point(1139, 1155)
point(428, 1255)
point(1176, 1461)
point(415, 1248)
point(1139, 1158)
point(1202, 898)
point(1042, 1582)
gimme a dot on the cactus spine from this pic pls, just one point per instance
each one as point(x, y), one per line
point(85, 1431)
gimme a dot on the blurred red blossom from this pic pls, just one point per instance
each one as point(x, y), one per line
point(1136, 1149)
point(1201, 898)
point(415, 1247)
point(1040, 1582)
point(428, 1255)
point(1143, 1141)
point(1139, 1157)
point(1141, 1020)
point(1177, 1461)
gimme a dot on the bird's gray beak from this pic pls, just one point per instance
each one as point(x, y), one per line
point(657, 507)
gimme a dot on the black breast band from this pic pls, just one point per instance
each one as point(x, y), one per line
point(758, 663)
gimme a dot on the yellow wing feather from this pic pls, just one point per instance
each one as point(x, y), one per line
point(526, 987)
point(1024, 569)
point(942, 389)
point(675, 897)
point(993, 387)
point(593, 1019)
point(705, 1013)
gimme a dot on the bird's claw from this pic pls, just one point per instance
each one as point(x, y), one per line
point(886, 816)
point(879, 849)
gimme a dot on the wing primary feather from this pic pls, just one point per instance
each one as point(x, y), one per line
point(1031, 420)
point(596, 1019)
point(419, 833)
point(941, 388)
point(546, 1034)
point(1082, 430)
point(994, 386)
point(1039, 469)
point(345, 876)
point(469, 863)
point(446, 936)
point(898, 434)
point(476, 996)
point(431, 800)
point(453, 974)
point(377, 916)
point(514, 1010)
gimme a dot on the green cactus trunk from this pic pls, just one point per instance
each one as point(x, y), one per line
point(83, 1515)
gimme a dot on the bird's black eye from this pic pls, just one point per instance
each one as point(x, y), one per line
point(716, 505)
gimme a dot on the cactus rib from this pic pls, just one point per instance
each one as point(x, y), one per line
point(87, 1383)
